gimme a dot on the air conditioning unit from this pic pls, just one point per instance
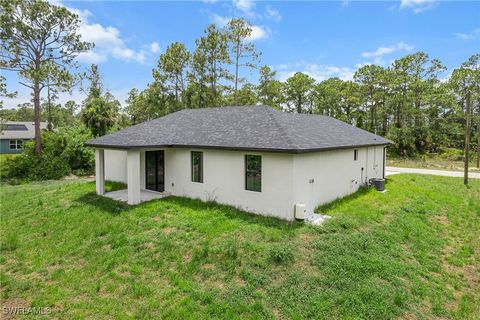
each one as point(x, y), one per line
point(300, 211)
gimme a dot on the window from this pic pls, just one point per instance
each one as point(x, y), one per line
point(355, 154)
point(16, 144)
point(253, 173)
point(197, 166)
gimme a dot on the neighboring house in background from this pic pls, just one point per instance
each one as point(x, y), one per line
point(14, 135)
point(256, 158)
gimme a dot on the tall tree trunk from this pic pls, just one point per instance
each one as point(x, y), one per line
point(478, 138)
point(373, 124)
point(236, 74)
point(176, 91)
point(49, 109)
point(36, 105)
point(399, 120)
point(214, 82)
point(467, 138)
point(418, 112)
point(299, 105)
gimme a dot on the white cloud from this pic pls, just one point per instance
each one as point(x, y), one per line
point(258, 32)
point(417, 6)
point(384, 50)
point(272, 14)
point(128, 54)
point(108, 40)
point(446, 77)
point(101, 36)
point(475, 34)
point(155, 47)
point(244, 5)
point(221, 21)
point(345, 3)
point(92, 57)
point(317, 71)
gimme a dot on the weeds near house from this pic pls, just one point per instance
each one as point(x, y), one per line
point(281, 253)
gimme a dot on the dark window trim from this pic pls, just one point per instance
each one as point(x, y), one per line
point(200, 169)
point(246, 173)
point(157, 182)
point(355, 154)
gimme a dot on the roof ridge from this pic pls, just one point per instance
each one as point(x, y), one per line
point(272, 112)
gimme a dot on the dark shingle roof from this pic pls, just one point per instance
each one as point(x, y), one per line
point(248, 128)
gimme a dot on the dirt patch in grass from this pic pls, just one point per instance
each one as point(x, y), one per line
point(148, 245)
point(443, 220)
point(239, 281)
point(168, 230)
point(12, 308)
point(306, 238)
point(472, 276)
point(208, 266)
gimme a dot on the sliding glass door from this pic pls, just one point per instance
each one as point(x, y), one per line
point(155, 171)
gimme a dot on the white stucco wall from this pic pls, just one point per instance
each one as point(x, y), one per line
point(324, 176)
point(116, 165)
point(224, 180)
point(285, 177)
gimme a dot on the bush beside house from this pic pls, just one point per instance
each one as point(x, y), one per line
point(63, 153)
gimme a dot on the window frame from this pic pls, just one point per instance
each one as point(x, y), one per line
point(355, 154)
point(200, 170)
point(17, 144)
point(247, 156)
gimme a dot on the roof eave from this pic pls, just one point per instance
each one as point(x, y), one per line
point(278, 150)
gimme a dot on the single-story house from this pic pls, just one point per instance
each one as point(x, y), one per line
point(14, 135)
point(255, 157)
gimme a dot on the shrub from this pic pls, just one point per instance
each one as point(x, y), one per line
point(404, 141)
point(452, 154)
point(77, 155)
point(63, 152)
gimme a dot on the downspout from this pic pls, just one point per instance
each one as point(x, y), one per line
point(366, 168)
point(384, 161)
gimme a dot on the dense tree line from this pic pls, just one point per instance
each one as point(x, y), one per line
point(409, 101)
point(412, 101)
point(211, 75)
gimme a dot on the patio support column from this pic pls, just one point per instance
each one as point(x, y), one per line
point(100, 171)
point(133, 176)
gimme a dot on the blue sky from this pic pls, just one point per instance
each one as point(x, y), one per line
point(324, 38)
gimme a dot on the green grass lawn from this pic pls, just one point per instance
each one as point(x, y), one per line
point(412, 252)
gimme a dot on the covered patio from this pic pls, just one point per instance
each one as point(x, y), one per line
point(135, 178)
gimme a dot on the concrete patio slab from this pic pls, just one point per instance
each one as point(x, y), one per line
point(145, 195)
